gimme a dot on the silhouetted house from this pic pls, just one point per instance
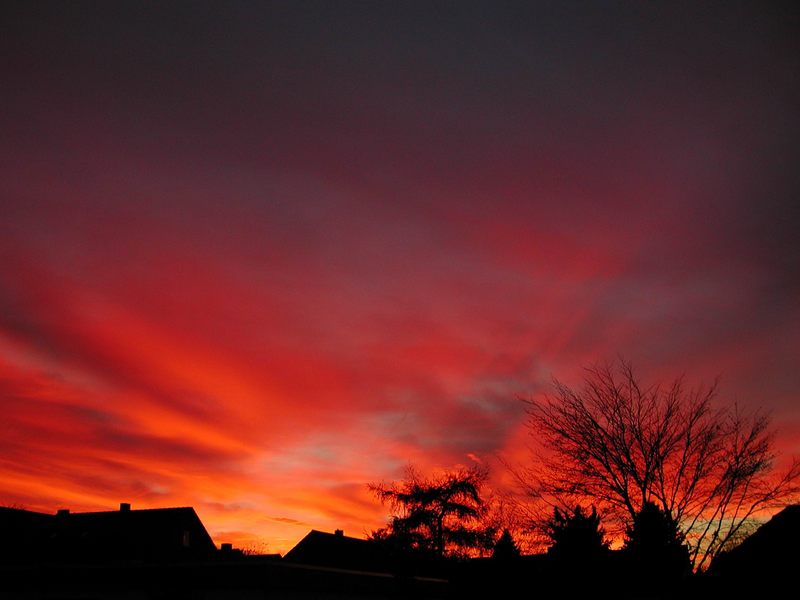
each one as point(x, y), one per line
point(337, 550)
point(150, 535)
point(770, 554)
point(23, 534)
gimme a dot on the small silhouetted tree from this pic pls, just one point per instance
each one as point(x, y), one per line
point(575, 535)
point(655, 546)
point(621, 444)
point(440, 515)
point(505, 548)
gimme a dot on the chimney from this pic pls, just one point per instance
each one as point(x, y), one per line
point(62, 512)
point(339, 533)
point(124, 507)
point(226, 548)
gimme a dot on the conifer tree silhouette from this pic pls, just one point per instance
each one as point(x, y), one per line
point(655, 546)
point(505, 548)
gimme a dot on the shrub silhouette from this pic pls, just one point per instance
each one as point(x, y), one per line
point(576, 535)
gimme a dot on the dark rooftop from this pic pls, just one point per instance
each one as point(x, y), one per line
point(337, 550)
point(772, 550)
point(139, 535)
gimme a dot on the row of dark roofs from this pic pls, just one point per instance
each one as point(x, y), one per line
point(147, 535)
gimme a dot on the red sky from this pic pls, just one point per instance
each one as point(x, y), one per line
point(252, 258)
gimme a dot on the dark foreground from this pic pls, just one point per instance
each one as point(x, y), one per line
point(262, 578)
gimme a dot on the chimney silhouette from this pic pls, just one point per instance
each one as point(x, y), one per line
point(62, 512)
point(124, 507)
point(339, 533)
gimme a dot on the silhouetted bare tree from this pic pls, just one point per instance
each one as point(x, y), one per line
point(442, 515)
point(620, 445)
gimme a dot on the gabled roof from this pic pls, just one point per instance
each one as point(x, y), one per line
point(147, 534)
point(337, 550)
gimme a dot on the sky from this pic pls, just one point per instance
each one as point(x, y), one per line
point(254, 256)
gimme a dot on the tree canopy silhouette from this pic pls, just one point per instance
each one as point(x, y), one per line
point(621, 445)
point(441, 515)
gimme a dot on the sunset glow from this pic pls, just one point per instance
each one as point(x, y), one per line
point(251, 260)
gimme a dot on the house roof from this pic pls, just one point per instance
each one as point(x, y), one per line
point(772, 548)
point(22, 532)
point(150, 534)
point(337, 550)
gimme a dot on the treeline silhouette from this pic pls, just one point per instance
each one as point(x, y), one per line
point(160, 553)
point(674, 478)
point(445, 521)
point(678, 475)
